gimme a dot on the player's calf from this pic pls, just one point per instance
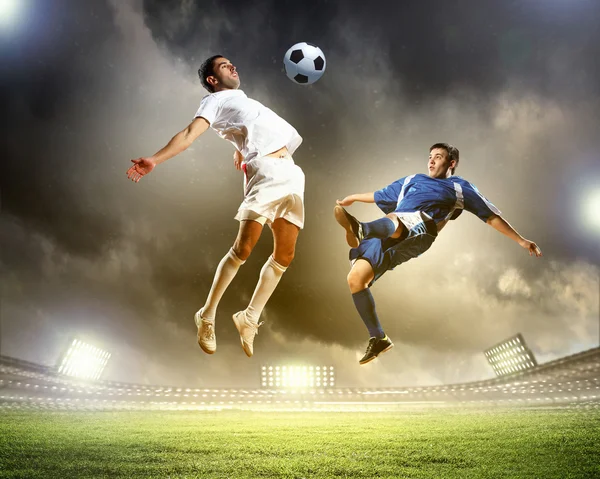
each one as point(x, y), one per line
point(381, 228)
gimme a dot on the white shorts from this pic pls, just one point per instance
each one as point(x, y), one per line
point(273, 188)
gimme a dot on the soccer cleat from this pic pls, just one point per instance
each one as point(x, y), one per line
point(247, 329)
point(375, 348)
point(353, 227)
point(206, 333)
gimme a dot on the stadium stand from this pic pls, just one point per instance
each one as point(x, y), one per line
point(572, 380)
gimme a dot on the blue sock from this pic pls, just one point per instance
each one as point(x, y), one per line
point(381, 228)
point(365, 305)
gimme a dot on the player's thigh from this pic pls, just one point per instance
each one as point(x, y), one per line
point(247, 237)
point(285, 235)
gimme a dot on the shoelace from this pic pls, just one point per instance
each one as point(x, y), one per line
point(209, 331)
point(253, 326)
point(372, 342)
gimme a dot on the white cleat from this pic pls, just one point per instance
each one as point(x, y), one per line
point(247, 329)
point(206, 333)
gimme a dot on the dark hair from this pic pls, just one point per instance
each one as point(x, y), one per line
point(452, 151)
point(206, 70)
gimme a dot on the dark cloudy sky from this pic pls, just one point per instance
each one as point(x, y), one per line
point(86, 86)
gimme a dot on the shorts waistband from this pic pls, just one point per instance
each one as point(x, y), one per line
point(285, 156)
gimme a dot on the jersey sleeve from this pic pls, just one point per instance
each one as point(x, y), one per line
point(209, 109)
point(478, 204)
point(387, 198)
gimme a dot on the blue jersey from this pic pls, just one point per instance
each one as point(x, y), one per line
point(441, 199)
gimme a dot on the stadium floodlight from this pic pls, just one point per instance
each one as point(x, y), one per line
point(11, 13)
point(510, 356)
point(83, 361)
point(297, 377)
point(591, 210)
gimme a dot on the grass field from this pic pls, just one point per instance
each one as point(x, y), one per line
point(435, 443)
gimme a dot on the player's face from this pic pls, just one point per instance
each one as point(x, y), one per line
point(439, 163)
point(226, 75)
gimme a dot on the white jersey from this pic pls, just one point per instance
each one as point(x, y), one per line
point(254, 129)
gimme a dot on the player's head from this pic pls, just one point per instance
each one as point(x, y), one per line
point(217, 73)
point(443, 160)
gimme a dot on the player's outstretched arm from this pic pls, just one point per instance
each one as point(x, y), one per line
point(180, 142)
point(501, 225)
point(361, 197)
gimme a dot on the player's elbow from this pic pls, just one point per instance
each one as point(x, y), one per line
point(180, 141)
point(187, 138)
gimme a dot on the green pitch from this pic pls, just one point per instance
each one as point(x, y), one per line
point(436, 443)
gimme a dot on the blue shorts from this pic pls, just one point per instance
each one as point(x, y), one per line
point(385, 255)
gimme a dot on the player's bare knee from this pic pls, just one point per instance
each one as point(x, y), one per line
point(242, 249)
point(356, 282)
point(284, 258)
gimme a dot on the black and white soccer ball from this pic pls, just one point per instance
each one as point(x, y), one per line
point(304, 63)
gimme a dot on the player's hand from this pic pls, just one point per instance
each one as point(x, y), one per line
point(141, 167)
point(237, 160)
point(530, 246)
point(347, 201)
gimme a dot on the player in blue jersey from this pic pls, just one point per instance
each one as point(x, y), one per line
point(417, 207)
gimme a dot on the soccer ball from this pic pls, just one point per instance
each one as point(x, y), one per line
point(304, 63)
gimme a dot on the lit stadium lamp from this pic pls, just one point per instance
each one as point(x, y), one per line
point(591, 210)
point(83, 361)
point(10, 12)
point(296, 376)
point(510, 356)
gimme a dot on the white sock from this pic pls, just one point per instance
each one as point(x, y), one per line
point(270, 274)
point(226, 271)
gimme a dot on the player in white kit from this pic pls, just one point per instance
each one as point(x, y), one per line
point(273, 190)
